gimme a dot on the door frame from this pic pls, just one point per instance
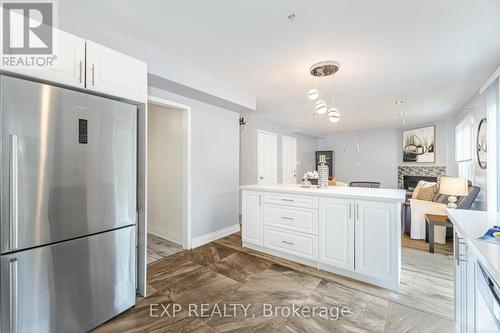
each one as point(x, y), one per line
point(259, 132)
point(283, 139)
point(186, 164)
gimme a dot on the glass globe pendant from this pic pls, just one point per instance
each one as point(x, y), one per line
point(313, 94)
point(321, 107)
point(333, 115)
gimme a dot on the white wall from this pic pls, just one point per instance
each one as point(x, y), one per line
point(306, 146)
point(376, 155)
point(214, 164)
point(165, 172)
point(365, 156)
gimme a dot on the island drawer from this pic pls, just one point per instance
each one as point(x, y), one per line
point(293, 243)
point(292, 200)
point(291, 218)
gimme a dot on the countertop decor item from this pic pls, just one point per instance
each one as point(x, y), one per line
point(453, 186)
point(322, 172)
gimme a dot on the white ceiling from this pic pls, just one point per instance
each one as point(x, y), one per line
point(433, 54)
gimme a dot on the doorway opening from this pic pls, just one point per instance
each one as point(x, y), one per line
point(168, 179)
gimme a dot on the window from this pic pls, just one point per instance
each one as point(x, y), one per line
point(464, 142)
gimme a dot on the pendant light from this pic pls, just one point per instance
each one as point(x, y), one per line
point(324, 71)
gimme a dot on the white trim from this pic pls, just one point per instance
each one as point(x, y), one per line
point(490, 80)
point(186, 163)
point(210, 237)
point(165, 234)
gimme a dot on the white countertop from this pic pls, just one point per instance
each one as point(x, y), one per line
point(473, 224)
point(332, 191)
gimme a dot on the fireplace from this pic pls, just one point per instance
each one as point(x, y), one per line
point(410, 182)
point(424, 172)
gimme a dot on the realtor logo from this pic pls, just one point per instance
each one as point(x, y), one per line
point(27, 28)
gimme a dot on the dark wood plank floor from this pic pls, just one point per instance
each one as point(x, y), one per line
point(222, 273)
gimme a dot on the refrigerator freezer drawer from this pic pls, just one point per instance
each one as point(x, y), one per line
point(68, 164)
point(71, 286)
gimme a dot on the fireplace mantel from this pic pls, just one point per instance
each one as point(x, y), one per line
point(426, 171)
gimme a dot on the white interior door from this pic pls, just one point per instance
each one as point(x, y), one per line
point(267, 150)
point(289, 159)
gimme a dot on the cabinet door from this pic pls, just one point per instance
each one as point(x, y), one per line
point(113, 73)
point(470, 290)
point(252, 218)
point(376, 239)
point(336, 232)
point(68, 62)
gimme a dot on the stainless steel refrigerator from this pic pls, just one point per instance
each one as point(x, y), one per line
point(68, 208)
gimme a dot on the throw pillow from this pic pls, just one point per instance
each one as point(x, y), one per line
point(426, 190)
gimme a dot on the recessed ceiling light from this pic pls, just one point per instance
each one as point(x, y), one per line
point(402, 114)
point(399, 102)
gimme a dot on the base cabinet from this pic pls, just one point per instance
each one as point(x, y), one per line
point(377, 241)
point(356, 238)
point(252, 218)
point(336, 232)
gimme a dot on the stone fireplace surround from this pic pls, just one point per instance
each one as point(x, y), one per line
point(425, 171)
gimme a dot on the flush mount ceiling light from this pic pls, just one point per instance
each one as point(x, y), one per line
point(313, 94)
point(324, 68)
point(322, 72)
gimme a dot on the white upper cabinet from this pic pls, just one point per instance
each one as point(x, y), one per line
point(375, 234)
point(113, 73)
point(68, 65)
point(336, 232)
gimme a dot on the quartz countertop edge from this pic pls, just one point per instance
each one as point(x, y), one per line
point(472, 225)
point(332, 191)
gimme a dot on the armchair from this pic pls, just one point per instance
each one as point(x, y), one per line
point(438, 206)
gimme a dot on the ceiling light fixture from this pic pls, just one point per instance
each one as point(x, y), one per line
point(321, 71)
point(313, 94)
point(333, 115)
point(399, 102)
point(401, 114)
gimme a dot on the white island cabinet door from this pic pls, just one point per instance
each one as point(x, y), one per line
point(336, 233)
point(114, 73)
point(252, 218)
point(67, 63)
point(376, 240)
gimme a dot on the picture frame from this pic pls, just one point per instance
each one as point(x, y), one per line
point(419, 145)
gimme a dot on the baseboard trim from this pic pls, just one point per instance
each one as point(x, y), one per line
point(210, 237)
point(165, 234)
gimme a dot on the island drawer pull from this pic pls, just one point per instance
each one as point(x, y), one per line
point(289, 200)
point(287, 218)
point(288, 243)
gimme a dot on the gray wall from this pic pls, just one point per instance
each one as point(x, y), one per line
point(365, 156)
point(375, 155)
point(214, 164)
point(306, 146)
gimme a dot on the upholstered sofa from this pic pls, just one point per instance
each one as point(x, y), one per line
point(437, 206)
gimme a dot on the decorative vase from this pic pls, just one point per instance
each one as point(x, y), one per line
point(322, 172)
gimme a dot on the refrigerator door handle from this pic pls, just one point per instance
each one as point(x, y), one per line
point(13, 295)
point(13, 191)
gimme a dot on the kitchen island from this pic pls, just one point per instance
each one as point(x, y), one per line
point(355, 232)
